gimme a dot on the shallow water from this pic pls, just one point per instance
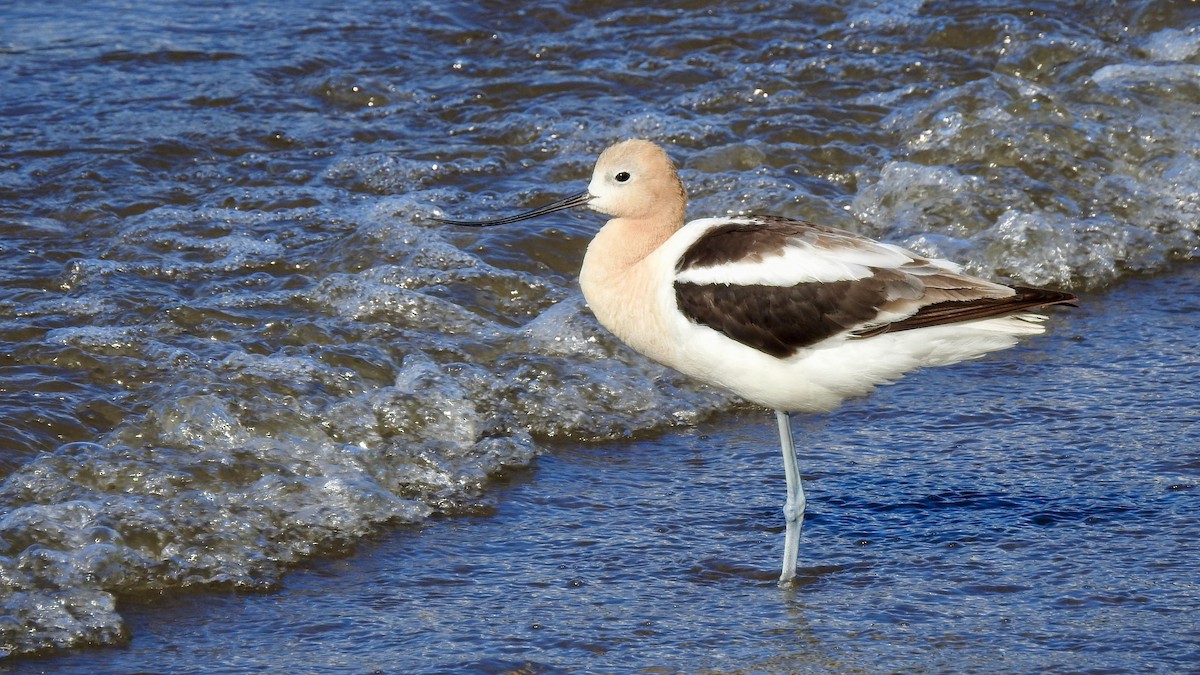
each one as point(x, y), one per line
point(234, 344)
point(1037, 525)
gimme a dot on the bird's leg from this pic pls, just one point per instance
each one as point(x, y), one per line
point(793, 509)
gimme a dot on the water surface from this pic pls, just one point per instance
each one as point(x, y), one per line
point(244, 372)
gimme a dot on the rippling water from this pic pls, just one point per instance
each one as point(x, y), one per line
point(234, 343)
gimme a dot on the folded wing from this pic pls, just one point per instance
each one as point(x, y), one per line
point(781, 285)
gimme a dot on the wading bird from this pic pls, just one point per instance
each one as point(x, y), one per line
point(790, 315)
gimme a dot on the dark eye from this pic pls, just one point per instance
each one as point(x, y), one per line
point(622, 176)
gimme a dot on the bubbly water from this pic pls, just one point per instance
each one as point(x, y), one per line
point(235, 343)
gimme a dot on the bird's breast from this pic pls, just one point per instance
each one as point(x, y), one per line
point(632, 297)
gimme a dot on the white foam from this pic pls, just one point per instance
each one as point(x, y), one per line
point(1172, 44)
point(1132, 73)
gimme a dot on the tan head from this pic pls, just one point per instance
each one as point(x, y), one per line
point(636, 179)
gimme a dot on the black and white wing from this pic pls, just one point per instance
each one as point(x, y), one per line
point(780, 285)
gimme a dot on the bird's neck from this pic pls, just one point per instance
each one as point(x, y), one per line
point(621, 276)
point(623, 242)
point(622, 245)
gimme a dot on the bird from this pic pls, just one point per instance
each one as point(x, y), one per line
point(790, 315)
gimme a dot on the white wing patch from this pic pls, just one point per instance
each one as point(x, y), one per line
point(826, 258)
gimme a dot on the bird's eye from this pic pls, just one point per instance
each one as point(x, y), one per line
point(621, 176)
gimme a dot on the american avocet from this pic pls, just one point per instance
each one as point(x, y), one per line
point(792, 316)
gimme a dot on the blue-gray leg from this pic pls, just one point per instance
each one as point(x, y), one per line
point(793, 509)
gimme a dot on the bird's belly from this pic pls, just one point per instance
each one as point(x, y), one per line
point(795, 384)
point(819, 378)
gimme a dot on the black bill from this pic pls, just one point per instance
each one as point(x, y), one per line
point(571, 202)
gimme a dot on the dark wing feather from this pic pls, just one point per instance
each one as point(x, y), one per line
point(780, 320)
point(957, 311)
point(755, 239)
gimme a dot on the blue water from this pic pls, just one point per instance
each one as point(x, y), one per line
point(1042, 526)
point(258, 411)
